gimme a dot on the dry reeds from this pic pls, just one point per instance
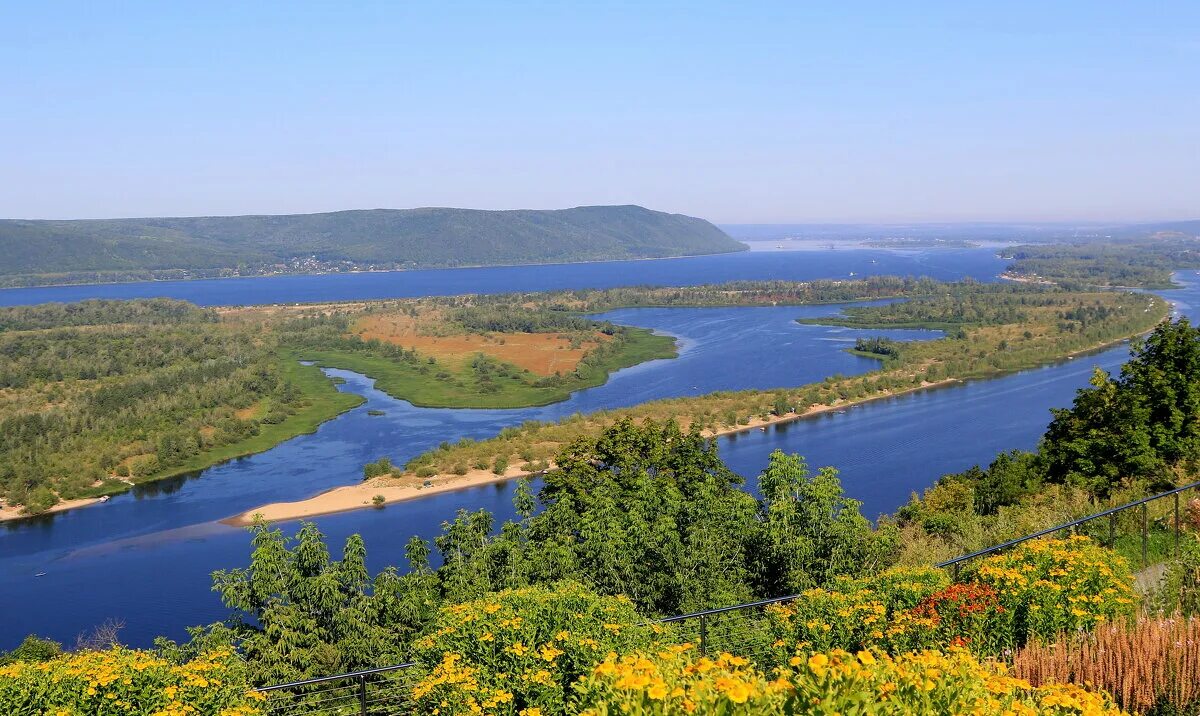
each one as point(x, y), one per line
point(1147, 662)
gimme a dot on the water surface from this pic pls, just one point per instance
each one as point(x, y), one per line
point(144, 558)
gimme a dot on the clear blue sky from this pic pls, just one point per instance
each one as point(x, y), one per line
point(738, 112)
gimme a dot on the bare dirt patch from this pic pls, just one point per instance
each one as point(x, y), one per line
point(539, 353)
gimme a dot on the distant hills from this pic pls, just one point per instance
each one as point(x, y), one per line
point(43, 252)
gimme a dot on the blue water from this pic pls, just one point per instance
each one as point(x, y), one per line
point(144, 558)
point(786, 265)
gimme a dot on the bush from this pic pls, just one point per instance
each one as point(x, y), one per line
point(33, 648)
point(675, 681)
point(855, 614)
point(382, 466)
point(1050, 587)
point(521, 649)
point(124, 681)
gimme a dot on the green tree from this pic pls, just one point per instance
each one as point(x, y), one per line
point(312, 616)
point(814, 532)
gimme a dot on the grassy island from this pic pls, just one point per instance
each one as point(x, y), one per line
point(990, 329)
point(99, 396)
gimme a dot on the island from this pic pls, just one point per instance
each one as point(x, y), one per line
point(990, 329)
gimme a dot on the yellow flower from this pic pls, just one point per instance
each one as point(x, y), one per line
point(817, 664)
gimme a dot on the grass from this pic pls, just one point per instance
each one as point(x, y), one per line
point(463, 389)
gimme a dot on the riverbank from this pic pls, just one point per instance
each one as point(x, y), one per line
point(325, 402)
point(409, 487)
point(17, 512)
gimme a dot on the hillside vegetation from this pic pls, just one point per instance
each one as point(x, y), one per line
point(42, 252)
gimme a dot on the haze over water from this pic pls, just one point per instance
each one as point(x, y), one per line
point(145, 557)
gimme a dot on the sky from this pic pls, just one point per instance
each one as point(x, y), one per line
point(748, 112)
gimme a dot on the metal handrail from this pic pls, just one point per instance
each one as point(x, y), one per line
point(1070, 525)
point(324, 679)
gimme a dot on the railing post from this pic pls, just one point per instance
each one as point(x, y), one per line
point(703, 634)
point(362, 695)
point(1176, 524)
point(1112, 529)
point(957, 570)
point(1145, 535)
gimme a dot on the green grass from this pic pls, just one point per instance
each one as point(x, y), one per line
point(418, 384)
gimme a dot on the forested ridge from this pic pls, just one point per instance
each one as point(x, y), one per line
point(80, 251)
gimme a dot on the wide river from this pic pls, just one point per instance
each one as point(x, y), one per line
point(144, 558)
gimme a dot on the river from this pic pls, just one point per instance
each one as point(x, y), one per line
point(144, 558)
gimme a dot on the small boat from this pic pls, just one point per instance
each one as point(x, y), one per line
point(104, 498)
point(40, 574)
point(763, 428)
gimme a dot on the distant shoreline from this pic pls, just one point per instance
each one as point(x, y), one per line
point(367, 271)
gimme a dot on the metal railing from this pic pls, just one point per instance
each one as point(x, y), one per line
point(742, 629)
point(374, 692)
point(1075, 525)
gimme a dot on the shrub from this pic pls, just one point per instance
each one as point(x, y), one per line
point(675, 681)
point(854, 614)
point(521, 649)
point(124, 681)
point(1049, 587)
point(33, 648)
point(382, 466)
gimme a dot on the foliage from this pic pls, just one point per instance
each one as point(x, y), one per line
point(311, 616)
point(521, 649)
point(814, 531)
point(1037, 591)
point(121, 681)
point(857, 614)
point(675, 681)
point(1051, 587)
point(1137, 424)
point(32, 649)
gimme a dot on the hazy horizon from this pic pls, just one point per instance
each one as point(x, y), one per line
point(763, 114)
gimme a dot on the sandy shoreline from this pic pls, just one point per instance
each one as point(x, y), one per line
point(402, 489)
point(17, 513)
